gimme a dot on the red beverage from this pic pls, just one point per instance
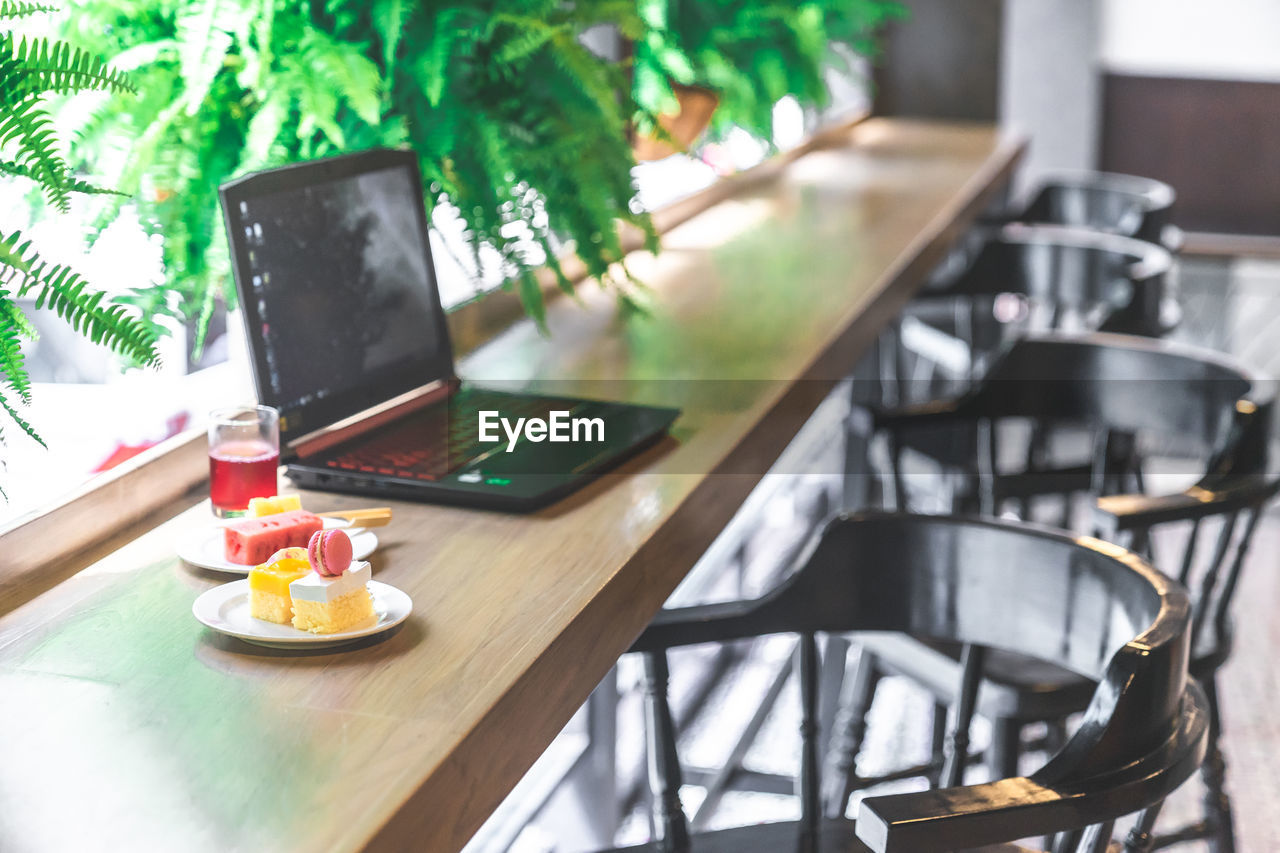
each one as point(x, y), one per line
point(240, 470)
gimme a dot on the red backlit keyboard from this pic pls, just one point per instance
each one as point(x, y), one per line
point(429, 444)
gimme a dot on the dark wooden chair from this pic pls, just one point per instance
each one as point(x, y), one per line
point(1127, 205)
point(1085, 605)
point(1057, 279)
point(1128, 395)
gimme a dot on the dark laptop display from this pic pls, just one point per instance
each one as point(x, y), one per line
point(342, 312)
point(341, 297)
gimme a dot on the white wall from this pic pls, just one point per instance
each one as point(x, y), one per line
point(1226, 39)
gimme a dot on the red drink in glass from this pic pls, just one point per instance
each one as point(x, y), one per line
point(240, 470)
point(244, 451)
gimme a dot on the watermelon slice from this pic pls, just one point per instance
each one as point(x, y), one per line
point(251, 541)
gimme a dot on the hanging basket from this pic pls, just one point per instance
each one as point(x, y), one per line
point(697, 105)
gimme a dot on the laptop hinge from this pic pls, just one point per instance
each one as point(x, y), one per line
point(371, 418)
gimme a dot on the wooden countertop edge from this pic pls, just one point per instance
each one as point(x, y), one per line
point(446, 810)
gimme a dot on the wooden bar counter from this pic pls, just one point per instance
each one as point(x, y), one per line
point(126, 725)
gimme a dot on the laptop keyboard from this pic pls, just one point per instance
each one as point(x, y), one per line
point(429, 444)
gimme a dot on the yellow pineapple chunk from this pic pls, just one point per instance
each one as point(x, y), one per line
point(259, 507)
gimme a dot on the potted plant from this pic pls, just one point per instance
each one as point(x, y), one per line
point(746, 54)
point(680, 126)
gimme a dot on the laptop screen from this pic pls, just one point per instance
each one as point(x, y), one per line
point(337, 286)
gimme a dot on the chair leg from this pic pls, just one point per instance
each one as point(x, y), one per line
point(938, 744)
point(1140, 838)
point(1067, 841)
point(848, 731)
point(1216, 802)
point(1005, 749)
point(671, 828)
point(972, 658)
point(1097, 838)
point(1217, 828)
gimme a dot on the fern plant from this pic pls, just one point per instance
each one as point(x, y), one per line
point(31, 69)
point(517, 125)
point(751, 52)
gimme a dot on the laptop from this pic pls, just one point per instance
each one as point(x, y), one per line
point(348, 340)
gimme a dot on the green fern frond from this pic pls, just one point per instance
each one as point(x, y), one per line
point(528, 35)
point(389, 18)
point(22, 424)
point(203, 46)
point(74, 185)
point(553, 263)
point(12, 360)
point(433, 65)
point(20, 9)
point(25, 124)
point(530, 293)
point(10, 310)
point(344, 67)
point(263, 134)
point(202, 320)
point(588, 74)
point(56, 66)
point(144, 54)
point(68, 295)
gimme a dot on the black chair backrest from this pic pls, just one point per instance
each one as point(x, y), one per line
point(1123, 383)
point(1083, 604)
point(1114, 383)
point(1128, 391)
point(1070, 272)
point(1127, 205)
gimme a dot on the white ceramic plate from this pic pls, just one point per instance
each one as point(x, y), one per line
point(204, 547)
point(225, 609)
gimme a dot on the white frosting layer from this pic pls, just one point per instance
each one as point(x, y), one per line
point(314, 587)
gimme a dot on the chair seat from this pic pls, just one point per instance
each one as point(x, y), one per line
point(1014, 686)
point(835, 836)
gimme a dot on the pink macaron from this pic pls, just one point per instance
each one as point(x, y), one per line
point(329, 552)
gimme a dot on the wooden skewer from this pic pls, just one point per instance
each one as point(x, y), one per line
point(371, 517)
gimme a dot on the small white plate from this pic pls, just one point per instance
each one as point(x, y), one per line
point(225, 609)
point(204, 547)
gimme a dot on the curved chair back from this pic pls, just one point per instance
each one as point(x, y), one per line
point(1110, 283)
point(1083, 604)
point(1127, 383)
point(1127, 205)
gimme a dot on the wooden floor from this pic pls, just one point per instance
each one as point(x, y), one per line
point(1251, 688)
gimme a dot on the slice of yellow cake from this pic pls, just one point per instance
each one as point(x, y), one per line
point(327, 605)
point(269, 584)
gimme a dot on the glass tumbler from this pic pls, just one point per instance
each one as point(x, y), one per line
point(244, 452)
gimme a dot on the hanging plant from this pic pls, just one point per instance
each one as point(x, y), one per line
point(518, 126)
point(752, 53)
